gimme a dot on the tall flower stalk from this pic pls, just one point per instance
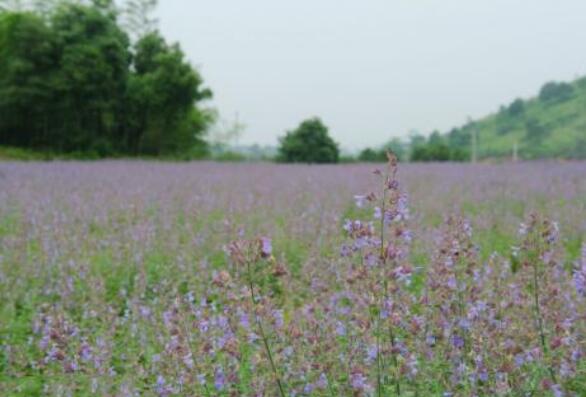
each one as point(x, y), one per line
point(390, 192)
point(249, 254)
point(383, 254)
point(539, 238)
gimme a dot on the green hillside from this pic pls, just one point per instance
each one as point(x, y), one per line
point(552, 124)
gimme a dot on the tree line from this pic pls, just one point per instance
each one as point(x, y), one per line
point(88, 77)
point(310, 142)
point(95, 78)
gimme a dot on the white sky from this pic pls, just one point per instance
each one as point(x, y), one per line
point(374, 69)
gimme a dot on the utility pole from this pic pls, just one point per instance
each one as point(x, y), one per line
point(474, 134)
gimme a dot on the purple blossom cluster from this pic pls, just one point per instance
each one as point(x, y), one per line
point(134, 279)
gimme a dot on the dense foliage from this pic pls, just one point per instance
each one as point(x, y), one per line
point(308, 143)
point(71, 81)
point(437, 148)
point(370, 155)
point(556, 92)
point(199, 279)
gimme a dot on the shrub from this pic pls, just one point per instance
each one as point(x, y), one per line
point(308, 143)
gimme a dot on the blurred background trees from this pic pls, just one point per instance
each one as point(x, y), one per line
point(438, 148)
point(556, 92)
point(72, 81)
point(95, 78)
point(395, 145)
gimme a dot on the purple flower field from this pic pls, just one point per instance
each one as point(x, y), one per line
point(202, 279)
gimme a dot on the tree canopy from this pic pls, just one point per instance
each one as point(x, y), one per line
point(71, 81)
point(438, 148)
point(379, 155)
point(310, 142)
point(556, 92)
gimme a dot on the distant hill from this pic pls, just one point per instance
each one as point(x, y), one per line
point(550, 125)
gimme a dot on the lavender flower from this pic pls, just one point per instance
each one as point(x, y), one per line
point(266, 246)
point(359, 382)
point(219, 379)
point(580, 274)
point(113, 255)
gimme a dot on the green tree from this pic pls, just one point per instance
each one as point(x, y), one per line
point(28, 54)
point(308, 143)
point(556, 92)
point(516, 107)
point(459, 138)
point(163, 93)
point(395, 145)
point(416, 139)
point(436, 148)
point(578, 151)
point(94, 60)
point(536, 131)
point(64, 79)
point(69, 82)
point(370, 155)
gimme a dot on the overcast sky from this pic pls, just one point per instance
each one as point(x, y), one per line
point(374, 69)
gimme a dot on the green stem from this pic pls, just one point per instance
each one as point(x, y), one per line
point(395, 362)
point(378, 358)
point(539, 320)
point(263, 335)
point(330, 387)
point(380, 306)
